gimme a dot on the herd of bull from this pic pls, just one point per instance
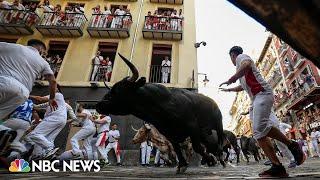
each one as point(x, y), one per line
point(179, 115)
point(150, 133)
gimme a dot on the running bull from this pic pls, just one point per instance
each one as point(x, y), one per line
point(167, 153)
point(176, 113)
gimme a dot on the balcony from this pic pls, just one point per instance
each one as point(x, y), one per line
point(17, 22)
point(168, 1)
point(159, 74)
point(300, 60)
point(106, 26)
point(163, 28)
point(275, 78)
point(101, 72)
point(284, 48)
point(63, 24)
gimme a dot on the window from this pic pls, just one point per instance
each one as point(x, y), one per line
point(160, 69)
point(103, 63)
point(56, 52)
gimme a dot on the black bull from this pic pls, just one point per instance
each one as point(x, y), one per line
point(176, 113)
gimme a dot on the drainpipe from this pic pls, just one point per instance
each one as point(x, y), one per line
point(135, 34)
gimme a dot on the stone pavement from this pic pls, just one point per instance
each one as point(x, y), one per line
point(309, 170)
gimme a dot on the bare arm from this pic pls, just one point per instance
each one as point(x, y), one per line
point(244, 67)
point(40, 99)
point(52, 88)
point(100, 121)
point(234, 89)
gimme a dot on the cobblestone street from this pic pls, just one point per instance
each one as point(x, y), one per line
point(309, 170)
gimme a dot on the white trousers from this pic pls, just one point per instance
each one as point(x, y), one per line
point(12, 95)
point(158, 159)
point(315, 147)
point(102, 149)
point(86, 134)
point(113, 146)
point(145, 154)
point(165, 77)
point(260, 114)
point(20, 126)
point(46, 132)
point(94, 72)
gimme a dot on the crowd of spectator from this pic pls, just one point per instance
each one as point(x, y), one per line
point(73, 15)
point(18, 13)
point(54, 61)
point(165, 20)
point(111, 18)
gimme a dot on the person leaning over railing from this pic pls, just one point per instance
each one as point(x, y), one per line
point(96, 16)
point(47, 10)
point(127, 21)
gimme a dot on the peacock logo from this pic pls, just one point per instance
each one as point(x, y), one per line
point(19, 165)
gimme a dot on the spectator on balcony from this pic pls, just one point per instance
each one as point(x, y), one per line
point(149, 21)
point(79, 16)
point(4, 4)
point(156, 20)
point(16, 16)
point(180, 20)
point(32, 16)
point(127, 19)
point(288, 65)
point(308, 81)
point(117, 21)
point(105, 22)
point(165, 69)
point(109, 69)
point(174, 21)
point(96, 16)
point(48, 15)
point(163, 21)
point(95, 63)
point(56, 16)
point(4, 13)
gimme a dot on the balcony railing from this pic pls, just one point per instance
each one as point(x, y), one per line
point(110, 26)
point(160, 74)
point(17, 22)
point(101, 72)
point(283, 49)
point(299, 61)
point(275, 78)
point(163, 28)
point(62, 24)
point(168, 1)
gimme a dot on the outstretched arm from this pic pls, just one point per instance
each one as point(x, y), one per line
point(244, 67)
point(234, 89)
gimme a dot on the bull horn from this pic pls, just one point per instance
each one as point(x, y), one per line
point(105, 84)
point(135, 73)
point(134, 129)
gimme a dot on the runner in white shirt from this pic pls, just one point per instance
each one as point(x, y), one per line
point(113, 138)
point(51, 125)
point(145, 148)
point(314, 136)
point(96, 63)
point(19, 67)
point(103, 130)
point(85, 133)
point(261, 95)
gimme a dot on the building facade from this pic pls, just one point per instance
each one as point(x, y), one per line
point(295, 82)
point(144, 31)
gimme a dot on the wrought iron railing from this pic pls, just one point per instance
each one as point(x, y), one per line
point(14, 16)
point(101, 72)
point(110, 21)
point(63, 19)
point(164, 23)
point(160, 74)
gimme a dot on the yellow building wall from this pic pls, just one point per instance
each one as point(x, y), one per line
point(76, 67)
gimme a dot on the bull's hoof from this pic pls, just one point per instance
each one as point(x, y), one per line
point(181, 170)
point(223, 164)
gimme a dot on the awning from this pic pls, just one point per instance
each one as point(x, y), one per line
point(312, 97)
point(296, 22)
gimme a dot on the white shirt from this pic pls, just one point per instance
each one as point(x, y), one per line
point(165, 66)
point(22, 63)
point(87, 121)
point(97, 60)
point(252, 82)
point(145, 144)
point(112, 135)
point(60, 112)
point(107, 12)
point(120, 12)
point(315, 135)
point(70, 112)
point(105, 126)
point(48, 8)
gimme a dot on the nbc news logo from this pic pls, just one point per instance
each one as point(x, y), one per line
point(19, 165)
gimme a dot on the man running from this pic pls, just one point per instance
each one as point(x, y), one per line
point(19, 67)
point(261, 95)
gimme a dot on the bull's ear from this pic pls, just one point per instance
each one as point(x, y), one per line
point(141, 82)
